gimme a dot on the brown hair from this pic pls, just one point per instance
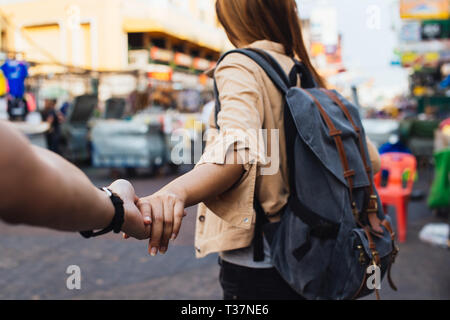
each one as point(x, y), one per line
point(246, 21)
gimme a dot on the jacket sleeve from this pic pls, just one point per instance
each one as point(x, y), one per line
point(374, 156)
point(240, 120)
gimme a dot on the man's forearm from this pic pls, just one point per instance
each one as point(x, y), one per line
point(80, 205)
point(42, 189)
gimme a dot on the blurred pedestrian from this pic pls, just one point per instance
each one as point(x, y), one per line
point(17, 108)
point(54, 118)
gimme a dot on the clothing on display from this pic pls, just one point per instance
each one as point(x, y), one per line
point(4, 88)
point(16, 72)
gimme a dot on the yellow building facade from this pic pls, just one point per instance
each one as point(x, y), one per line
point(99, 34)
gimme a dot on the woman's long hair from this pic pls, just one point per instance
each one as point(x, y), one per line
point(246, 21)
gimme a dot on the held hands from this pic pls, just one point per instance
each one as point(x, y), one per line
point(164, 210)
point(133, 225)
point(157, 217)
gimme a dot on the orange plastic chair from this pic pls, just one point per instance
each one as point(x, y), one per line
point(401, 169)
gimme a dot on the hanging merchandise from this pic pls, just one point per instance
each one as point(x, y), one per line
point(16, 72)
point(3, 85)
point(31, 102)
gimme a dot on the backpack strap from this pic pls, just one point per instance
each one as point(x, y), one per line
point(394, 253)
point(344, 109)
point(306, 78)
point(274, 64)
point(280, 81)
point(299, 69)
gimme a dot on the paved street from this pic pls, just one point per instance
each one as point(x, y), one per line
point(33, 262)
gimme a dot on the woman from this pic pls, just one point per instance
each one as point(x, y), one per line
point(228, 176)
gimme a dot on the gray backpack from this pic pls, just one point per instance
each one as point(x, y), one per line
point(324, 245)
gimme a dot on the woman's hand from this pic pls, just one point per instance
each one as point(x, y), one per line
point(134, 224)
point(164, 210)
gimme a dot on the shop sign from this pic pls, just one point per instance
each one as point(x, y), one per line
point(428, 46)
point(188, 80)
point(163, 55)
point(425, 9)
point(159, 72)
point(201, 64)
point(445, 56)
point(160, 76)
point(431, 31)
point(317, 49)
point(203, 79)
point(420, 60)
point(335, 58)
point(410, 31)
point(439, 29)
point(138, 58)
point(183, 60)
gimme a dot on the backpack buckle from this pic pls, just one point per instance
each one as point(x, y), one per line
point(376, 258)
point(373, 204)
point(362, 258)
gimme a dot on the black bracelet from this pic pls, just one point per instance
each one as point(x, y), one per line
point(117, 221)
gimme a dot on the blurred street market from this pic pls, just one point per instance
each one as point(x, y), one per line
point(117, 86)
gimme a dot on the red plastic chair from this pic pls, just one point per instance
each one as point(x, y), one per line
point(401, 169)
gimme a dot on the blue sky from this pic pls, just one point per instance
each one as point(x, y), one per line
point(366, 51)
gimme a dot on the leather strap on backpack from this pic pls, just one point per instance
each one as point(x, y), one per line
point(375, 261)
point(336, 135)
point(372, 205)
point(394, 252)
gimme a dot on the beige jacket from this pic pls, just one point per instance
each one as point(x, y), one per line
point(249, 103)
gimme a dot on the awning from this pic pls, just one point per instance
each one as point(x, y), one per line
point(179, 27)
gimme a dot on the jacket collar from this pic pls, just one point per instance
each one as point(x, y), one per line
point(260, 44)
point(267, 45)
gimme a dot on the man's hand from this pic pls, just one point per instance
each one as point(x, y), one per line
point(165, 210)
point(134, 224)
